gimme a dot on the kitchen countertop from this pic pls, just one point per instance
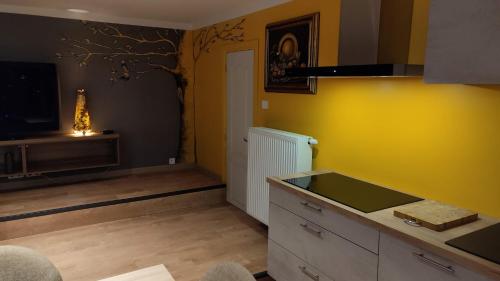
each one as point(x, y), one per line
point(385, 221)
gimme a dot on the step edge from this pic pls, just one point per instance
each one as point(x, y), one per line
point(85, 206)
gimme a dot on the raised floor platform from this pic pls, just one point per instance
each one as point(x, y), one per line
point(104, 228)
point(14, 203)
point(41, 210)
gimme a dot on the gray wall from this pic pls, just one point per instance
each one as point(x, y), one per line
point(144, 111)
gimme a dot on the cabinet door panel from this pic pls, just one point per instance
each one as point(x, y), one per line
point(399, 261)
point(284, 266)
point(463, 42)
point(337, 257)
point(360, 234)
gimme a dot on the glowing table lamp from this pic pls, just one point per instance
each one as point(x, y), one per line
point(82, 125)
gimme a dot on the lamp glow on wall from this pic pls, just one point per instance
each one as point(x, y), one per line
point(82, 125)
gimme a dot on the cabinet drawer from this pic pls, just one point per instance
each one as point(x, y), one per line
point(400, 261)
point(363, 235)
point(284, 266)
point(337, 257)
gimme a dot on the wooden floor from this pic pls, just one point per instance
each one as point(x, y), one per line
point(187, 243)
point(19, 202)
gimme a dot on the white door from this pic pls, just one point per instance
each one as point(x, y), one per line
point(239, 77)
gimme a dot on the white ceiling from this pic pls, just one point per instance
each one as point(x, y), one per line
point(182, 14)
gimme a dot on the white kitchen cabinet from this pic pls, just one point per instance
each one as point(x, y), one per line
point(338, 258)
point(311, 238)
point(283, 265)
point(352, 230)
point(400, 261)
point(463, 42)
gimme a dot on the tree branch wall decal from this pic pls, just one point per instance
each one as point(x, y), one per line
point(208, 36)
point(129, 55)
point(203, 41)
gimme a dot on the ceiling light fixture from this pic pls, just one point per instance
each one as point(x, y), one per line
point(79, 11)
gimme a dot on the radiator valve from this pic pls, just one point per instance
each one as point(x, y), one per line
point(313, 141)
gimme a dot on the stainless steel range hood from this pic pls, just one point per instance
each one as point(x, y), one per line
point(374, 41)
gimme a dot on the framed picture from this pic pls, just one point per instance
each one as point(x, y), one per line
point(291, 43)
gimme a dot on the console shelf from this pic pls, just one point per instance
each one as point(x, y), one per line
point(32, 157)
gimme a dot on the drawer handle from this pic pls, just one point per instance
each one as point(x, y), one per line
point(311, 206)
point(308, 228)
point(309, 274)
point(424, 259)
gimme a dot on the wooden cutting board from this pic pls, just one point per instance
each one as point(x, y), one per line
point(435, 215)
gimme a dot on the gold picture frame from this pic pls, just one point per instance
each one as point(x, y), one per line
point(291, 43)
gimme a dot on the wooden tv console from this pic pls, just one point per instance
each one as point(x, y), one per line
point(36, 156)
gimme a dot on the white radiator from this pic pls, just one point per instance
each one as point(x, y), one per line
point(273, 153)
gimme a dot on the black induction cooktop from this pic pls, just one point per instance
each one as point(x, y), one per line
point(484, 243)
point(357, 194)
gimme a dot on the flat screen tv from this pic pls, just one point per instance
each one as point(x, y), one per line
point(29, 99)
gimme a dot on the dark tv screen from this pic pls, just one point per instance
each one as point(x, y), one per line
point(29, 98)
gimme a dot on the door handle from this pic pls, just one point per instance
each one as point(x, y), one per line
point(245, 139)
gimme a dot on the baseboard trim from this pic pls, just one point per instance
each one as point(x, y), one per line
point(107, 203)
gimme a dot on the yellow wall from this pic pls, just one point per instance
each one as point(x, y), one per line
point(437, 141)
